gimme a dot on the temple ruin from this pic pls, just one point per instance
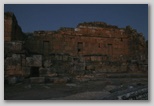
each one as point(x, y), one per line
point(88, 52)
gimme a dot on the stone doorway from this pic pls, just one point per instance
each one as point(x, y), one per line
point(34, 72)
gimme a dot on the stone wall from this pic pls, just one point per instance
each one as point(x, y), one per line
point(12, 30)
point(115, 43)
point(83, 53)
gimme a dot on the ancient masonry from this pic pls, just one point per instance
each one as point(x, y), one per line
point(86, 52)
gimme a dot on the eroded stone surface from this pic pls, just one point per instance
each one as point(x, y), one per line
point(12, 30)
point(84, 53)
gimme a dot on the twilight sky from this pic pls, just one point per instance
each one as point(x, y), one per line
point(32, 17)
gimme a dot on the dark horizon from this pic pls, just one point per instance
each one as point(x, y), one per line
point(33, 17)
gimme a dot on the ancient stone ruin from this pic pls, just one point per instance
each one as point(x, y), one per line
point(88, 52)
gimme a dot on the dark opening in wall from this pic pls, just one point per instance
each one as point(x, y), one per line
point(121, 39)
point(45, 47)
point(79, 50)
point(80, 46)
point(34, 72)
point(99, 45)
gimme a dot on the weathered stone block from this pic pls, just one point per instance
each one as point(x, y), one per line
point(43, 72)
point(16, 56)
point(35, 60)
point(47, 63)
point(47, 72)
point(26, 71)
point(90, 67)
point(37, 80)
point(60, 80)
point(133, 68)
point(82, 79)
point(13, 70)
point(65, 58)
point(123, 68)
point(14, 60)
point(12, 80)
point(52, 74)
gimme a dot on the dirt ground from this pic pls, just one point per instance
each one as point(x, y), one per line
point(89, 90)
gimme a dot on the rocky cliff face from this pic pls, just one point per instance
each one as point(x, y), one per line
point(12, 30)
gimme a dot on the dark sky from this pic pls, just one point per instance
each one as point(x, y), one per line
point(32, 17)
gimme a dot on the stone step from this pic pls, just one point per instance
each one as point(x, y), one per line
point(120, 75)
point(126, 75)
